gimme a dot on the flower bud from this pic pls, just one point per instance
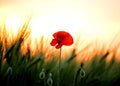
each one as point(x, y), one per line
point(50, 80)
point(9, 71)
point(82, 72)
point(42, 74)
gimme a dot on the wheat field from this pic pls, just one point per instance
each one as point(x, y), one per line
point(22, 66)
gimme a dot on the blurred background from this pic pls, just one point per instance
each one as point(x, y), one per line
point(95, 22)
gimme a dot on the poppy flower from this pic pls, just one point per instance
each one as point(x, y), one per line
point(61, 38)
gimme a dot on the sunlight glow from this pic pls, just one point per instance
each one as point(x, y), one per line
point(49, 24)
point(13, 23)
point(83, 19)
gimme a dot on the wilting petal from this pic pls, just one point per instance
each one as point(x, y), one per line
point(53, 42)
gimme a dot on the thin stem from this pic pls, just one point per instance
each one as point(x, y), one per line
point(44, 82)
point(59, 62)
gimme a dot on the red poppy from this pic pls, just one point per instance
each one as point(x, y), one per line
point(61, 38)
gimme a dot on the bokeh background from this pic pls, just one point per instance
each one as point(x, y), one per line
point(26, 56)
point(86, 20)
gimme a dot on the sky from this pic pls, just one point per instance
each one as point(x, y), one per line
point(92, 18)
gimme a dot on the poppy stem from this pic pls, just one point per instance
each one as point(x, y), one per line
point(59, 63)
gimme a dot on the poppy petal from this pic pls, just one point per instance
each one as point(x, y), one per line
point(62, 38)
point(67, 41)
point(58, 46)
point(53, 42)
point(60, 34)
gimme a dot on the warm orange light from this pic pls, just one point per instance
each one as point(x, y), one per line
point(91, 20)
